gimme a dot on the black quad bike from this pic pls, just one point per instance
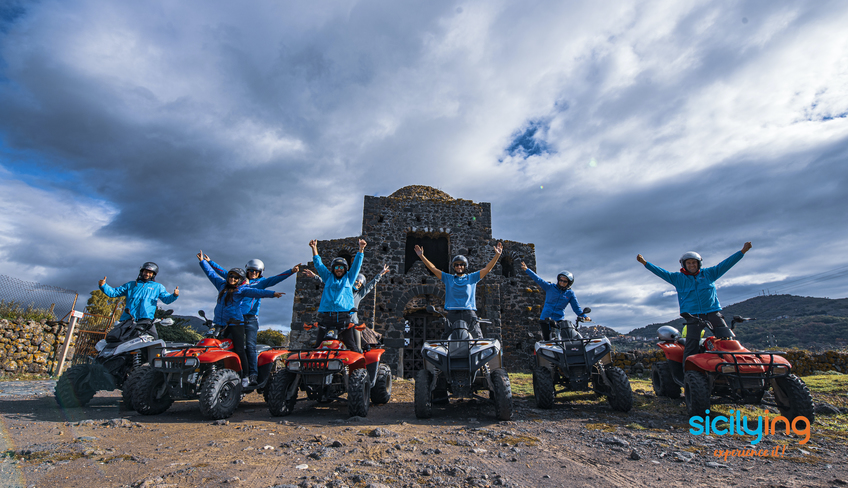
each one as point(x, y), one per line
point(577, 364)
point(460, 366)
point(128, 346)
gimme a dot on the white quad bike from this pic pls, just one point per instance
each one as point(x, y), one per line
point(114, 363)
point(460, 366)
point(572, 362)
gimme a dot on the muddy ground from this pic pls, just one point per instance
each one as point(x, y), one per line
point(581, 442)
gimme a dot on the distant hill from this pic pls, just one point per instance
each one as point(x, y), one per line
point(783, 321)
point(194, 322)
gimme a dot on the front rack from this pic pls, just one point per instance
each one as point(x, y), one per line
point(767, 368)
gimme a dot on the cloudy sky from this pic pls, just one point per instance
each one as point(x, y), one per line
point(136, 131)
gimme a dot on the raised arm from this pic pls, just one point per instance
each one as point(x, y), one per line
point(210, 273)
point(538, 279)
point(273, 280)
point(216, 267)
point(493, 262)
point(110, 292)
point(420, 252)
point(168, 297)
point(371, 284)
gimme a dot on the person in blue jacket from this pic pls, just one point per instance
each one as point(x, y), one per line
point(336, 308)
point(461, 289)
point(142, 295)
point(557, 297)
point(696, 290)
point(254, 269)
point(229, 310)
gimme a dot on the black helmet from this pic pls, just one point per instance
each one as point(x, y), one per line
point(339, 261)
point(459, 258)
point(568, 276)
point(255, 265)
point(239, 272)
point(149, 266)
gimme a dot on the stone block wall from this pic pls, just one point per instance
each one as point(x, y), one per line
point(30, 347)
point(445, 227)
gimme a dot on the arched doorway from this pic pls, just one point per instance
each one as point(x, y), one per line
point(420, 325)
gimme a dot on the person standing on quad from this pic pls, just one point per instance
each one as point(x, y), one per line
point(229, 311)
point(461, 289)
point(254, 269)
point(696, 291)
point(142, 295)
point(557, 297)
point(360, 289)
point(335, 310)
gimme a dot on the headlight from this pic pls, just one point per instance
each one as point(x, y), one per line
point(293, 366)
point(548, 353)
point(334, 365)
point(191, 362)
point(157, 363)
point(781, 369)
point(487, 354)
point(728, 368)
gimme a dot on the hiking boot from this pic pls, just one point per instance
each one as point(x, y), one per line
point(254, 379)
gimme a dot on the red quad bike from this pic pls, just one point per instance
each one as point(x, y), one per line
point(327, 373)
point(725, 369)
point(209, 371)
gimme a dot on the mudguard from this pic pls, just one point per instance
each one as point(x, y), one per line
point(229, 358)
point(673, 351)
point(271, 355)
point(373, 356)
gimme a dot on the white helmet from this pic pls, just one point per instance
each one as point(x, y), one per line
point(667, 332)
point(691, 255)
point(255, 265)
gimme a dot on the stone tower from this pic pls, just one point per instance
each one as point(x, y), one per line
point(444, 227)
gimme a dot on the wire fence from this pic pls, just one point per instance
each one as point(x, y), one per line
point(34, 301)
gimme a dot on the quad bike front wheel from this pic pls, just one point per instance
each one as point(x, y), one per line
point(276, 393)
point(358, 395)
point(543, 387)
point(381, 392)
point(147, 381)
point(220, 394)
point(74, 389)
point(127, 389)
point(501, 394)
point(423, 398)
point(793, 398)
point(619, 394)
point(696, 393)
point(663, 382)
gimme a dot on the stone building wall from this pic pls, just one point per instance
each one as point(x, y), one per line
point(30, 347)
point(445, 227)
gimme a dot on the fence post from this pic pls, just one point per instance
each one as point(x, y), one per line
point(69, 334)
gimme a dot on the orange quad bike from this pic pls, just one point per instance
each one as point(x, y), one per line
point(725, 372)
point(328, 372)
point(209, 371)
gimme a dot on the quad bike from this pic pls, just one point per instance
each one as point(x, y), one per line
point(460, 366)
point(209, 371)
point(570, 361)
point(726, 370)
point(328, 372)
point(125, 349)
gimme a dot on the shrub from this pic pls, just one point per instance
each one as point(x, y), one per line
point(271, 337)
point(11, 310)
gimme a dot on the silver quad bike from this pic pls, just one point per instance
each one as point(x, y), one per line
point(572, 363)
point(459, 367)
point(126, 347)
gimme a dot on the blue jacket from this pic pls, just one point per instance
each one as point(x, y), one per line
point(141, 298)
point(556, 299)
point(461, 291)
point(697, 294)
point(338, 292)
point(231, 310)
point(251, 305)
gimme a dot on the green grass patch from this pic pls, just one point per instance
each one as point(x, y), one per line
point(514, 440)
point(521, 384)
point(601, 426)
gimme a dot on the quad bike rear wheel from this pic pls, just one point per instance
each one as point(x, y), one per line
point(74, 388)
point(359, 393)
point(791, 392)
point(663, 382)
point(423, 399)
point(543, 387)
point(220, 394)
point(501, 394)
point(278, 403)
point(696, 393)
point(146, 383)
point(619, 394)
point(381, 392)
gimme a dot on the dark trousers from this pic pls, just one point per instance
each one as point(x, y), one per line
point(337, 321)
point(693, 332)
point(235, 332)
point(567, 332)
point(470, 318)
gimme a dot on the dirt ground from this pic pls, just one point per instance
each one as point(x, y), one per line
point(580, 442)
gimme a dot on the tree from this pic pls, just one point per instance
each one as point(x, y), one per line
point(99, 304)
point(271, 337)
point(181, 331)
